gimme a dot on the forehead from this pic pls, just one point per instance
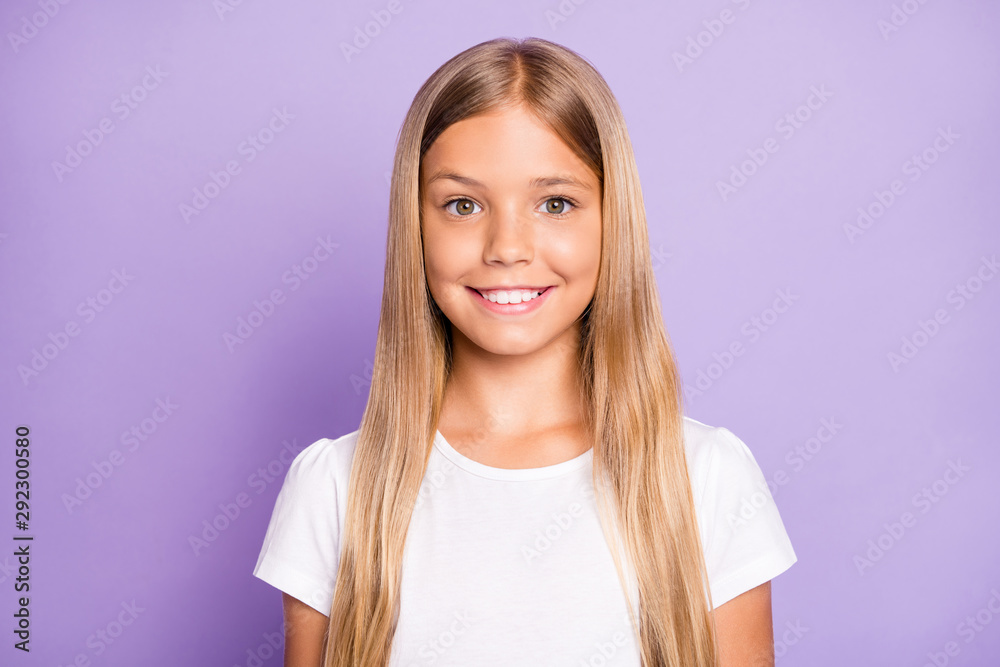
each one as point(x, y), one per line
point(509, 146)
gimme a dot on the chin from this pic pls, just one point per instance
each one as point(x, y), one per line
point(503, 345)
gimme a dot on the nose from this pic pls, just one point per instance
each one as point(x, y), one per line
point(509, 238)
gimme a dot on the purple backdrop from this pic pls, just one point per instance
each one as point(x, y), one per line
point(194, 200)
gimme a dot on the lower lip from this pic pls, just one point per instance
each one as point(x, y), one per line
point(512, 308)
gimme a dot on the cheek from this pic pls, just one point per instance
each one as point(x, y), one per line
point(444, 255)
point(577, 256)
point(445, 262)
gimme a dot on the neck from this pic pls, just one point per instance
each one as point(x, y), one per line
point(514, 395)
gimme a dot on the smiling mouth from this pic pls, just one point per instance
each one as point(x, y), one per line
point(511, 296)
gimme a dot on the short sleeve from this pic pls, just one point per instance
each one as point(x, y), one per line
point(743, 536)
point(301, 550)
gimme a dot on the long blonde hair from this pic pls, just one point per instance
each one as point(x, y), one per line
point(632, 386)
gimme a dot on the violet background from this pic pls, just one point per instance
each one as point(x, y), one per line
point(301, 375)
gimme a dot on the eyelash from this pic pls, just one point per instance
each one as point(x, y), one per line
point(569, 200)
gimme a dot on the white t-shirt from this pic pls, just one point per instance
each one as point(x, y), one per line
point(505, 567)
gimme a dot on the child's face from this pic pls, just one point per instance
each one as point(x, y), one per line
point(487, 224)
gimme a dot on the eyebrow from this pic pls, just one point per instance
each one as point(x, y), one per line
point(538, 182)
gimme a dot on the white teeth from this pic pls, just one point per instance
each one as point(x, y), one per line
point(510, 296)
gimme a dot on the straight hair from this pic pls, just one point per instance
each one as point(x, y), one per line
point(631, 383)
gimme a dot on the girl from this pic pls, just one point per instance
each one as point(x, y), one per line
point(523, 488)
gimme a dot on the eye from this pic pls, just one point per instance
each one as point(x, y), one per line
point(465, 207)
point(557, 205)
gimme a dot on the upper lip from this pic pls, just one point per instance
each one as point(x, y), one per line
point(511, 287)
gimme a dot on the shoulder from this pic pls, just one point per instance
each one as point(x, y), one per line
point(302, 544)
point(324, 464)
point(743, 536)
point(714, 451)
point(705, 444)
